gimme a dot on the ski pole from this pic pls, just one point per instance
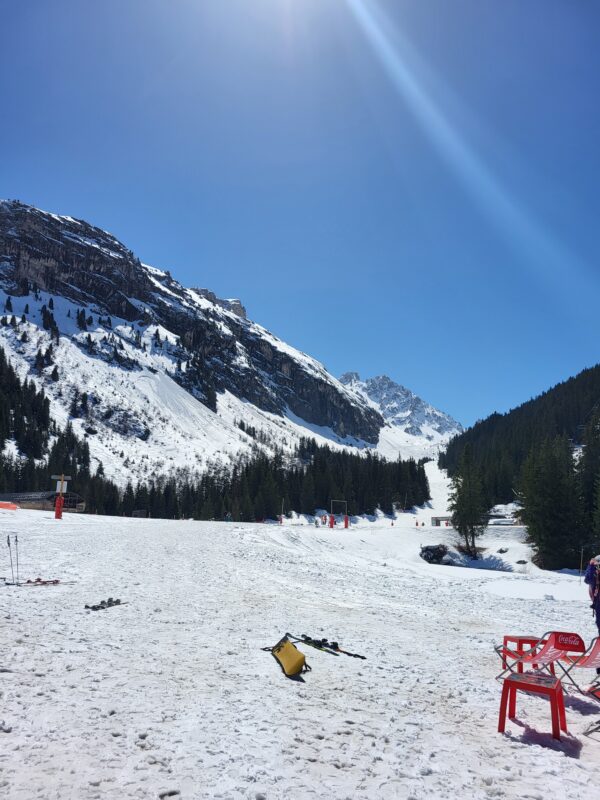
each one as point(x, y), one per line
point(11, 561)
point(17, 552)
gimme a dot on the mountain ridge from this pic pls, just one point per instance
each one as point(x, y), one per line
point(144, 350)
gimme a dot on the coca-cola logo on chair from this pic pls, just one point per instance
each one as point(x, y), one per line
point(569, 640)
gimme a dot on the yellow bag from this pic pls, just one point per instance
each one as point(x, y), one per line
point(290, 659)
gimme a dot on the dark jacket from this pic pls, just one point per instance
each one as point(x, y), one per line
point(590, 574)
point(592, 578)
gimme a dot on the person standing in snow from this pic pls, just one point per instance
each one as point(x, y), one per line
point(592, 578)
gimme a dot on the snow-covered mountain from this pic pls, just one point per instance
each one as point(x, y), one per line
point(411, 425)
point(156, 376)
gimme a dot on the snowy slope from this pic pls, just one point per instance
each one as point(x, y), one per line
point(412, 427)
point(151, 351)
point(172, 692)
point(142, 422)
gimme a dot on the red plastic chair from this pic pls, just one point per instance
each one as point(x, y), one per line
point(546, 685)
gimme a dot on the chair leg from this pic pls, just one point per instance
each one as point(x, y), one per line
point(555, 716)
point(567, 674)
point(561, 710)
point(503, 703)
point(512, 703)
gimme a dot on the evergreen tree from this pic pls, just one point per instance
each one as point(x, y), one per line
point(74, 408)
point(588, 465)
point(128, 504)
point(467, 502)
point(210, 395)
point(39, 362)
point(596, 512)
point(307, 497)
point(208, 511)
point(552, 509)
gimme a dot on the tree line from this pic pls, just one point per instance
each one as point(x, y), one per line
point(264, 486)
point(547, 453)
point(501, 443)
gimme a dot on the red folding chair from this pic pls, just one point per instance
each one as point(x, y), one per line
point(589, 660)
point(521, 644)
point(545, 653)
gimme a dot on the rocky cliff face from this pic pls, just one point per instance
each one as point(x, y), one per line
point(216, 347)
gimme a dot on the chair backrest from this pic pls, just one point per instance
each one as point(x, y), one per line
point(570, 642)
point(592, 659)
point(556, 644)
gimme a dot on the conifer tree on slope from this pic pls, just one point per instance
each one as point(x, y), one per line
point(596, 514)
point(588, 466)
point(467, 502)
point(552, 510)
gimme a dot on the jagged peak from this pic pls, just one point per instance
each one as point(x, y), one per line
point(400, 406)
point(385, 381)
point(350, 377)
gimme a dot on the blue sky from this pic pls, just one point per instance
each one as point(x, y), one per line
point(407, 187)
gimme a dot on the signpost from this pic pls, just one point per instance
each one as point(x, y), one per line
point(589, 546)
point(61, 487)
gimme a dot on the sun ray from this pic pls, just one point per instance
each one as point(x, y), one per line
point(541, 251)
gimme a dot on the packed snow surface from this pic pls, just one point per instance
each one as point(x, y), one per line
point(172, 692)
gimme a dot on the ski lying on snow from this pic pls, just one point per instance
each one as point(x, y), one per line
point(324, 645)
point(40, 583)
point(106, 604)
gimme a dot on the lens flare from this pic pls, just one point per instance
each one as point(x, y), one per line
point(536, 246)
